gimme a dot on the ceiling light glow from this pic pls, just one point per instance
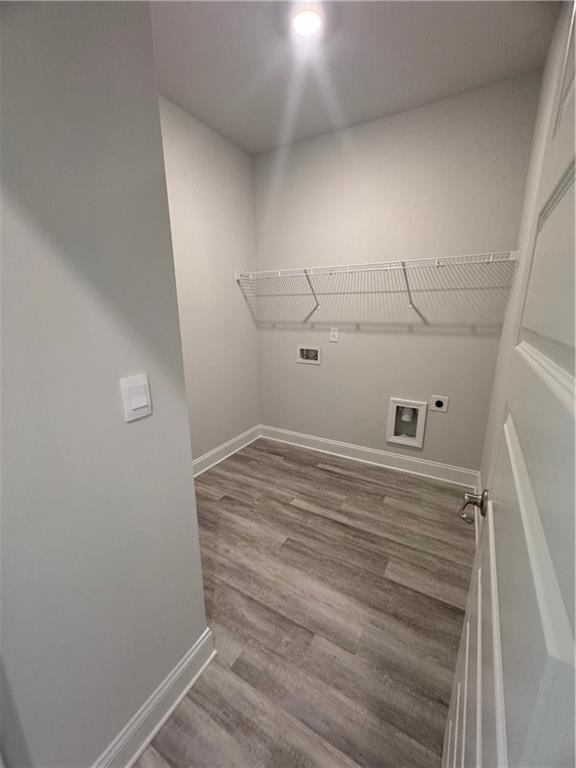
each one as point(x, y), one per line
point(307, 23)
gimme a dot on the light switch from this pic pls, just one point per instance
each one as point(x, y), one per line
point(136, 397)
point(334, 334)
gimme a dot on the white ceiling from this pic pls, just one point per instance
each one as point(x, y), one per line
point(232, 65)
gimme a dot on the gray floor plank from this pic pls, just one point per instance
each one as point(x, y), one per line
point(151, 758)
point(338, 718)
point(335, 590)
point(269, 734)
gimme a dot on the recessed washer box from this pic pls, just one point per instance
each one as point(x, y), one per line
point(406, 422)
point(308, 354)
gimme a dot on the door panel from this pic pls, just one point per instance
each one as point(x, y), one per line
point(473, 688)
point(561, 121)
point(447, 751)
point(544, 429)
point(462, 728)
point(457, 720)
point(493, 731)
point(453, 754)
point(552, 272)
point(463, 731)
point(535, 645)
point(524, 570)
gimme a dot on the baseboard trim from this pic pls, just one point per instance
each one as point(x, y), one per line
point(221, 452)
point(141, 729)
point(433, 470)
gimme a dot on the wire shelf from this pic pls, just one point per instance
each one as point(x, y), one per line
point(454, 291)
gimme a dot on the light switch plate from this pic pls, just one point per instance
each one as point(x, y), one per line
point(334, 335)
point(439, 403)
point(136, 398)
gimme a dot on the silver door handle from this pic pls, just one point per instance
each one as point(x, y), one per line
point(479, 500)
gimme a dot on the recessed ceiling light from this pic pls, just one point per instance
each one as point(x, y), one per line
point(307, 23)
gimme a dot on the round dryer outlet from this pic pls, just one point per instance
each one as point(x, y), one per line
point(439, 403)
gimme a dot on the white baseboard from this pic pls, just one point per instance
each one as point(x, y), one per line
point(414, 466)
point(141, 729)
point(435, 470)
point(221, 452)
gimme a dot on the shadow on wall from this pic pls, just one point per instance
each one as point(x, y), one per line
point(467, 299)
point(76, 194)
point(88, 295)
point(10, 715)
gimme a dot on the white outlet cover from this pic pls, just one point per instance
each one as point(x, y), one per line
point(334, 335)
point(439, 403)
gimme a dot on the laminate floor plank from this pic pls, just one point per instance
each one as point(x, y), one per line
point(151, 758)
point(239, 529)
point(375, 477)
point(352, 513)
point(448, 584)
point(286, 480)
point(309, 603)
point(325, 567)
point(350, 728)
point(384, 695)
point(253, 481)
point(269, 734)
point(250, 618)
point(191, 737)
point(245, 492)
point(335, 591)
point(327, 666)
point(383, 651)
point(208, 492)
point(387, 481)
point(416, 517)
point(229, 644)
point(310, 521)
point(329, 537)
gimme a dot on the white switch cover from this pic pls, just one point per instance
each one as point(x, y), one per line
point(334, 334)
point(136, 397)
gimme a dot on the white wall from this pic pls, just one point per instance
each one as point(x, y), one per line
point(444, 179)
point(210, 195)
point(101, 582)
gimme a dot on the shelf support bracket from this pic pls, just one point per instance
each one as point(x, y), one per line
point(309, 315)
point(411, 304)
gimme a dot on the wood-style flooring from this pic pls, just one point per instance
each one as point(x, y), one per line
point(335, 590)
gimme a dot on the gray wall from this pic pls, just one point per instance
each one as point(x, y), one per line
point(210, 194)
point(101, 581)
point(444, 179)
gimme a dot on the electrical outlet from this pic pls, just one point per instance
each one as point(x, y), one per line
point(334, 334)
point(439, 403)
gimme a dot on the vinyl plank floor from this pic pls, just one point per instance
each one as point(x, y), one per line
point(335, 591)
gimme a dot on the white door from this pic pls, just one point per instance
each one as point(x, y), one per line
point(513, 697)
